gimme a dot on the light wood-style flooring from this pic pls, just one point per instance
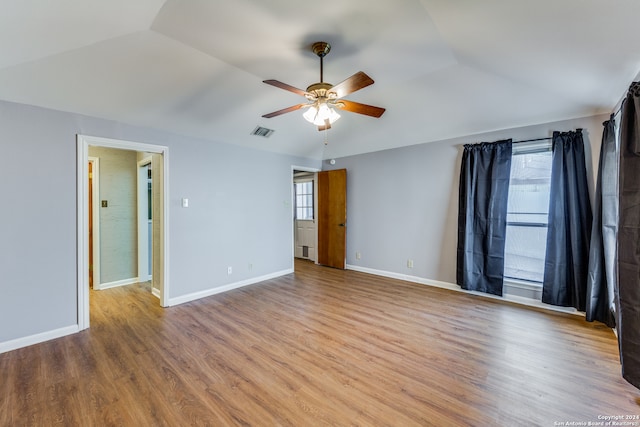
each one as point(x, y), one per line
point(320, 347)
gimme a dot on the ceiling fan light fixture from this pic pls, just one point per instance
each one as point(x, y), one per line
point(319, 115)
point(323, 97)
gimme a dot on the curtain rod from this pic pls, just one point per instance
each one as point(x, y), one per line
point(548, 138)
point(619, 109)
point(624, 98)
point(531, 140)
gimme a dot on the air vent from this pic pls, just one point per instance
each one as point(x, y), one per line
point(260, 131)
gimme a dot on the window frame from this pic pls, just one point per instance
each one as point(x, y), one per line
point(523, 148)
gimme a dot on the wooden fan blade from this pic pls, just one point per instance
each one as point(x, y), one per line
point(285, 110)
point(356, 107)
point(285, 86)
point(352, 84)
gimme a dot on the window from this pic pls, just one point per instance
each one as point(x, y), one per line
point(527, 212)
point(304, 200)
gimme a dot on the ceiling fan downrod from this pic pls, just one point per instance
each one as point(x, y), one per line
point(321, 49)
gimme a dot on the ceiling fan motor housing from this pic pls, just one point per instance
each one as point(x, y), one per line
point(320, 90)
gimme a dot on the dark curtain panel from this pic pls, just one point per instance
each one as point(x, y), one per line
point(602, 251)
point(482, 216)
point(628, 304)
point(569, 232)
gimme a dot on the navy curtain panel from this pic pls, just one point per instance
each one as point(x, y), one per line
point(602, 251)
point(628, 291)
point(482, 216)
point(569, 232)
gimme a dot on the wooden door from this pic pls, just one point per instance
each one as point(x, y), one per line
point(332, 218)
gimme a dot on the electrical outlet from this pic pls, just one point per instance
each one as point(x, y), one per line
point(229, 270)
point(409, 263)
point(358, 255)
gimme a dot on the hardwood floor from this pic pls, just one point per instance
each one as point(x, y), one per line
point(318, 347)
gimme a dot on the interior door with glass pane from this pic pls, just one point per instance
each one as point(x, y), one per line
point(305, 224)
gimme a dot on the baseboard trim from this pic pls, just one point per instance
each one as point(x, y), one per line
point(37, 338)
point(454, 287)
point(225, 288)
point(123, 282)
point(155, 292)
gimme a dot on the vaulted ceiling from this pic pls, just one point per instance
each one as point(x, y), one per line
point(442, 68)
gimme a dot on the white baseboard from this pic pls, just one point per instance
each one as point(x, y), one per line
point(218, 290)
point(454, 287)
point(155, 292)
point(37, 338)
point(124, 282)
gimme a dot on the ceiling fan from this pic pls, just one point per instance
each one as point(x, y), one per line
point(323, 97)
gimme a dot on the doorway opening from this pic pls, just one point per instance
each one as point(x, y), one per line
point(304, 215)
point(328, 232)
point(160, 229)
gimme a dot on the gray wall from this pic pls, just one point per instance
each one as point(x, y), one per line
point(118, 221)
point(240, 213)
point(403, 203)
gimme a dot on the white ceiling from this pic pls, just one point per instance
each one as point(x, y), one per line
point(442, 68)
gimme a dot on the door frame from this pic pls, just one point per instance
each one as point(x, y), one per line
point(293, 205)
point(82, 193)
point(95, 190)
point(143, 221)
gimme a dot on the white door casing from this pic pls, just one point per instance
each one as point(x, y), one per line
point(144, 273)
point(310, 234)
point(161, 258)
point(95, 167)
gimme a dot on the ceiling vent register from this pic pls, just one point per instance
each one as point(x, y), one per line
point(264, 132)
